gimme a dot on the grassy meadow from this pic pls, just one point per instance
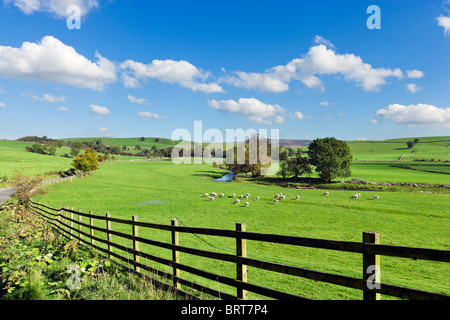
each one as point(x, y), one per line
point(159, 191)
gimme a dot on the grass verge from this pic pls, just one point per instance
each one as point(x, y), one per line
point(38, 264)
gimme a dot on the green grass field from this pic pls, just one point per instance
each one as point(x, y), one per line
point(13, 158)
point(160, 191)
point(401, 218)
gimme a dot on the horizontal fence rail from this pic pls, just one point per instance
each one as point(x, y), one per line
point(63, 220)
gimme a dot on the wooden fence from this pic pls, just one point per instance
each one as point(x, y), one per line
point(64, 219)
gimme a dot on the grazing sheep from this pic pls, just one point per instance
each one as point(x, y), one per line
point(326, 194)
point(247, 196)
point(257, 198)
point(247, 204)
point(237, 201)
point(213, 194)
point(355, 196)
point(234, 195)
point(297, 197)
point(221, 195)
point(376, 197)
point(206, 195)
point(359, 195)
point(275, 201)
point(241, 196)
point(212, 198)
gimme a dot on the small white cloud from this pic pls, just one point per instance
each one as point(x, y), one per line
point(2, 105)
point(55, 7)
point(46, 98)
point(150, 115)
point(298, 115)
point(328, 116)
point(2, 90)
point(326, 103)
point(169, 71)
point(414, 115)
point(361, 139)
point(444, 22)
point(374, 121)
point(322, 40)
point(253, 109)
point(99, 111)
point(63, 109)
point(140, 101)
point(413, 88)
point(417, 74)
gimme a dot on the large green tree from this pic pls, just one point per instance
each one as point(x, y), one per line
point(331, 157)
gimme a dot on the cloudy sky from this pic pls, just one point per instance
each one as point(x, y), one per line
point(146, 68)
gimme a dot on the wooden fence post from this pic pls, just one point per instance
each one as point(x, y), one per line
point(241, 269)
point(136, 244)
point(91, 223)
point(79, 225)
point(109, 235)
point(71, 225)
point(371, 267)
point(175, 256)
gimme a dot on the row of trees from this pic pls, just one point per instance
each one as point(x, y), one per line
point(329, 157)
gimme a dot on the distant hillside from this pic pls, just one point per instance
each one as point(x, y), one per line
point(292, 143)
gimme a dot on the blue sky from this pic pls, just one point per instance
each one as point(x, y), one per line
point(146, 68)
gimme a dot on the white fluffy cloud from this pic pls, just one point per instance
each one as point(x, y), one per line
point(52, 61)
point(413, 88)
point(46, 98)
point(298, 115)
point(98, 110)
point(150, 115)
point(321, 60)
point(2, 105)
point(169, 71)
point(414, 74)
point(444, 22)
point(420, 114)
point(63, 109)
point(135, 100)
point(253, 109)
point(56, 7)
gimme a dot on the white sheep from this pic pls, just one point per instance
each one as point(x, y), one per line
point(297, 197)
point(237, 201)
point(206, 195)
point(241, 196)
point(212, 198)
point(234, 195)
point(247, 204)
point(257, 198)
point(355, 196)
point(326, 194)
point(376, 197)
point(275, 201)
point(248, 194)
point(213, 194)
point(221, 195)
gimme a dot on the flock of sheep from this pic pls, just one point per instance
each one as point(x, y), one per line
point(276, 199)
